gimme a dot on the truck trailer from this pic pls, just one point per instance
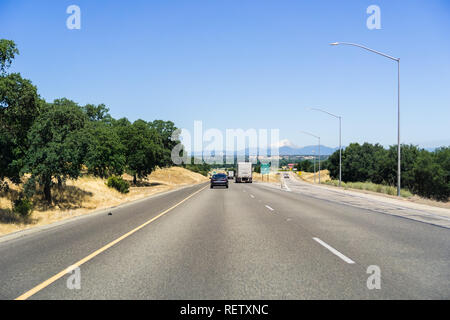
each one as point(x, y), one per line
point(244, 172)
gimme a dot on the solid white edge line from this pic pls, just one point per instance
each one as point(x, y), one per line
point(271, 209)
point(286, 186)
point(333, 250)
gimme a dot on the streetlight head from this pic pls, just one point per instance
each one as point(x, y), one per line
point(334, 43)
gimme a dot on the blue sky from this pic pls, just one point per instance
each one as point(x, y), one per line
point(245, 64)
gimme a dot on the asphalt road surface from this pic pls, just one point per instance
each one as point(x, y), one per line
point(246, 242)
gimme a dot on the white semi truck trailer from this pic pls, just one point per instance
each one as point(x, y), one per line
point(244, 172)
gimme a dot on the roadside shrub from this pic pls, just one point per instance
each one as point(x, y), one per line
point(119, 184)
point(369, 186)
point(379, 188)
point(333, 182)
point(405, 193)
point(23, 207)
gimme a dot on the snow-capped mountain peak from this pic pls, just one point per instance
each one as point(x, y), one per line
point(285, 143)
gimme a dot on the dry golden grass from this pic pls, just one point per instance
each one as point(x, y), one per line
point(271, 178)
point(309, 176)
point(87, 194)
point(176, 176)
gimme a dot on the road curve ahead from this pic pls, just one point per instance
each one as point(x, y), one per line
point(245, 242)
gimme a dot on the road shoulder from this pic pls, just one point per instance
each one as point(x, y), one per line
point(377, 203)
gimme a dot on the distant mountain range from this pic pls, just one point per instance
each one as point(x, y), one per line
point(306, 151)
point(287, 148)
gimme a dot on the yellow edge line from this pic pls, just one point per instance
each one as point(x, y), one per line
point(61, 274)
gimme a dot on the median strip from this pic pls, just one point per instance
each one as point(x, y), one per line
point(61, 274)
point(333, 250)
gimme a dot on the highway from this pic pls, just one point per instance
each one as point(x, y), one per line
point(250, 241)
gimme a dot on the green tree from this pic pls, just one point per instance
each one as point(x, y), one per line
point(143, 147)
point(443, 159)
point(359, 163)
point(333, 164)
point(442, 156)
point(429, 177)
point(431, 174)
point(305, 166)
point(352, 164)
point(19, 106)
point(167, 131)
point(56, 150)
point(105, 154)
point(409, 154)
point(8, 51)
point(99, 113)
point(7, 157)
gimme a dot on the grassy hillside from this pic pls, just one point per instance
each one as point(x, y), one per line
point(87, 194)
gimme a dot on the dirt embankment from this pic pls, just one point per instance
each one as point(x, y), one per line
point(88, 194)
point(309, 176)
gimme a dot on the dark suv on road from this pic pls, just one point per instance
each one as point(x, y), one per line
point(219, 179)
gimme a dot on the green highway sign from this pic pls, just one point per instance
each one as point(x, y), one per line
point(265, 168)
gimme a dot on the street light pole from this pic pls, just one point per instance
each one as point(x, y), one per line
point(313, 135)
point(398, 105)
point(340, 152)
point(340, 141)
point(399, 168)
point(314, 160)
point(319, 160)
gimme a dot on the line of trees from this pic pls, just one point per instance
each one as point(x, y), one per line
point(423, 172)
point(308, 165)
point(53, 142)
